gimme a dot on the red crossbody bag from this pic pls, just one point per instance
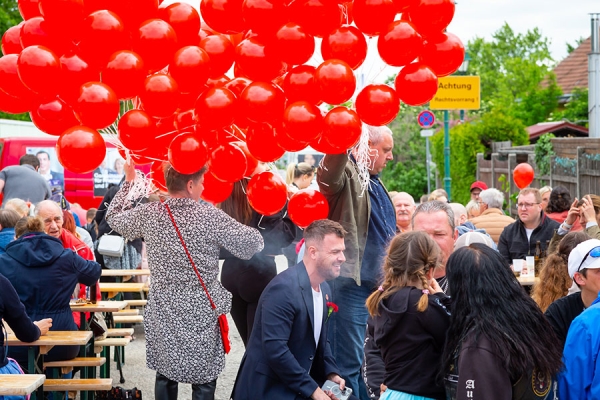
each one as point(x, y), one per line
point(223, 324)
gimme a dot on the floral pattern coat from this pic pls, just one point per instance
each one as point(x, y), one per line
point(183, 340)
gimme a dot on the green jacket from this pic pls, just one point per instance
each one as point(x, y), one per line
point(338, 181)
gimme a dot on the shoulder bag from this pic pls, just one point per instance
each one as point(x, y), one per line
point(222, 318)
point(111, 245)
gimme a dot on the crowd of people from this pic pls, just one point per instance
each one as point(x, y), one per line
point(386, 299)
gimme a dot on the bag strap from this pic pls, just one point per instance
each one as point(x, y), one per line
point(212, 304)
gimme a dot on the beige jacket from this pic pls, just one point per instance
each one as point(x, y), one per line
point(493, 220)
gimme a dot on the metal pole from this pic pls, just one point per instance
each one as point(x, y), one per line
point(447, 179)
point(427, 162)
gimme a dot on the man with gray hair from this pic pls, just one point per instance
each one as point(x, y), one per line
point(492, 218)
point(405, 208)
point(370, 220)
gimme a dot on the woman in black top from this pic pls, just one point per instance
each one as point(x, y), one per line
point(410, 317)
point(499, 346)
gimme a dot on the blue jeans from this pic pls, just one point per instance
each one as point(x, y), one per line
point(347, 329)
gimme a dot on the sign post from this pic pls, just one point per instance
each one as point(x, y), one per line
point(426, 119)
point(454, 93)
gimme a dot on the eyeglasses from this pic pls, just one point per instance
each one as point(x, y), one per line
point(526, 205)
point(595, 252)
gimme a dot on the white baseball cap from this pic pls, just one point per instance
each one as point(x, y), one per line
point(473, 237)
point(584, 256)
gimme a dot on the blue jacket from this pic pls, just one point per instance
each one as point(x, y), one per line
point(44, 274)
point(7, 235)
point(282, 360)
point(580, 378)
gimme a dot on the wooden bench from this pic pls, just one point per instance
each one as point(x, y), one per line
point(117, 332)
point(20, 385)
point(67, 366)
point(113, 341)
point(126, 313)
point(63, 385)
point(136, 303)
point(133, 319)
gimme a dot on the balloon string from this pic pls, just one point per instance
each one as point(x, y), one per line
point(259, 222)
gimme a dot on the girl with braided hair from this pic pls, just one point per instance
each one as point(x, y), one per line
point(410, 316)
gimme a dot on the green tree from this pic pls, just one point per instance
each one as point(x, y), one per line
point(9, 15)
point(543, 152)
point(571, 47)
point(575, 110)
point(512, 68)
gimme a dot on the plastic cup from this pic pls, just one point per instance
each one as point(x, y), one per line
point(517, 266)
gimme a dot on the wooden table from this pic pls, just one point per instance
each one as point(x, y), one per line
point(132, 287)
point(20, 385)
point(125, 272)
point(100, 306)
point(45, 344)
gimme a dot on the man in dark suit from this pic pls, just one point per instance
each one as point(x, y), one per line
point(288, 355)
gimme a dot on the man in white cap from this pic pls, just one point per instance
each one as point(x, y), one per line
point(580, 378)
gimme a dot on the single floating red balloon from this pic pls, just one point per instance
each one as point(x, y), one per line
point(228, 163)
point(262, 143)
point(307, 206)
point(523, 175)
point(136, 129)
point(377, 105)
point(11, 41)
point(431, 16)
point(301, 84)
point(400, 44)
point(184, 19)
point(152, 35)
point(293, 45)
point(345, 43)
point(336, 81)
point(53, 117)
point(190, 67)
point(160, 96)
point(215, 191)
point(97, 105)
point(262, 102)
point(216, 108)
point(39, 70)
point(303, 121)
point(267, 193)
point(416, 84)
point(125, 73)
point(224, 16)
point(221, 52)
point(80, 149)
point(343, 128)
point(187, 154)
point(373, 16)
point(443, 53)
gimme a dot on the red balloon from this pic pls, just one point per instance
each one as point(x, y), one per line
point(264, 16)
point(39, 69)
point(102, 34)
point(157, 175)
point(215, 191)
point(262, 143)
point(416, 84)
point(237, 85)
point(37, 31)
point(134, 13)
point(185, 120)
point(190, 68)
point(53, 117)
point(288, 143)
point(262, 102)
point(224, 16)
point(256, 64)
point(251, 161)
point(62, 13)
point(156, 43)
point(342, 128)
point(13, 105)
point(317, 17)
point(125, 73)
point(300, 84)
point(219, 81)
point(336, 81)
point(523, 175)
point(431, 16)
point(228, 163)
point(97, 105)
point(307, 206)
point(443, 53)
point(303, 121)
point(293, 45)
point(322, 146)
point(400, 44)
point(403, 6)
point(184, 19)
point(267, 193)
point(215, 138)
point(373, 16)
point(221, 52)
point(160, 96)
point(377, 105)
point(75, 72)
point(216, 108)
point(11, 40)
point(80, 149)
point(10, 82)
point(187, 154)
point(29, 9)
point(136, 129)
point(345, 43)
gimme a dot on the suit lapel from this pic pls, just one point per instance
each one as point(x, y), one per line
point(304, 283)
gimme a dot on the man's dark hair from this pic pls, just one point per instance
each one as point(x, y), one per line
point(9, 218)
point(42, 152)
point(317, 230)
point(30, 159)
point(177, 182)
point(488, 301)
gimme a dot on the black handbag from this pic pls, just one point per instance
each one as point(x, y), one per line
point(118, 393)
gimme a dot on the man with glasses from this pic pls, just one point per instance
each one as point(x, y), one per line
point(518, 239)
point(580, 378)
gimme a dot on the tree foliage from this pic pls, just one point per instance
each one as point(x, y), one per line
point(543, 152)
point(512, 68)
point(571, 47)
point(575, 110)
point(9, 15)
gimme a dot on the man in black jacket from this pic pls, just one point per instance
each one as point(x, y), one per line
point(518, 239)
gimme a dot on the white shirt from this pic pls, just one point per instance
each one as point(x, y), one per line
point(529, 232)
point(318, 309)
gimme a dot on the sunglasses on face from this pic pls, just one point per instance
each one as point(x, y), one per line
point(595, 252)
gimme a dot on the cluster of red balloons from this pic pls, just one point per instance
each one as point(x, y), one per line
point(523, 175)
point(71, 63)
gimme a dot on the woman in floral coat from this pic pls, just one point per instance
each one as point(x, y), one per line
point(183, 342)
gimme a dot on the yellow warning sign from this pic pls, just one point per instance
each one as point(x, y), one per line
point(457, 93)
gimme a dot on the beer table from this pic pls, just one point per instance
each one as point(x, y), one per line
point(125, 272)
point(45, 344)
point(132, 287)
point(100, 306)
point(20, 385)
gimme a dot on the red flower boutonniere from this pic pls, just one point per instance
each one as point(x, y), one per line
point(331, 308)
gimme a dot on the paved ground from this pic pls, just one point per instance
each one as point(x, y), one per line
point(137, 375)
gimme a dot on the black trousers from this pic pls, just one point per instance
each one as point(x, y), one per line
point(166, 389)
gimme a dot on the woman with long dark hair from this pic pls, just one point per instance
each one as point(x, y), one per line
point(499, 345)
point(559, 205)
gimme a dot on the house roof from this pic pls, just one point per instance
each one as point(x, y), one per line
point(559, 128)
point(572, 72)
